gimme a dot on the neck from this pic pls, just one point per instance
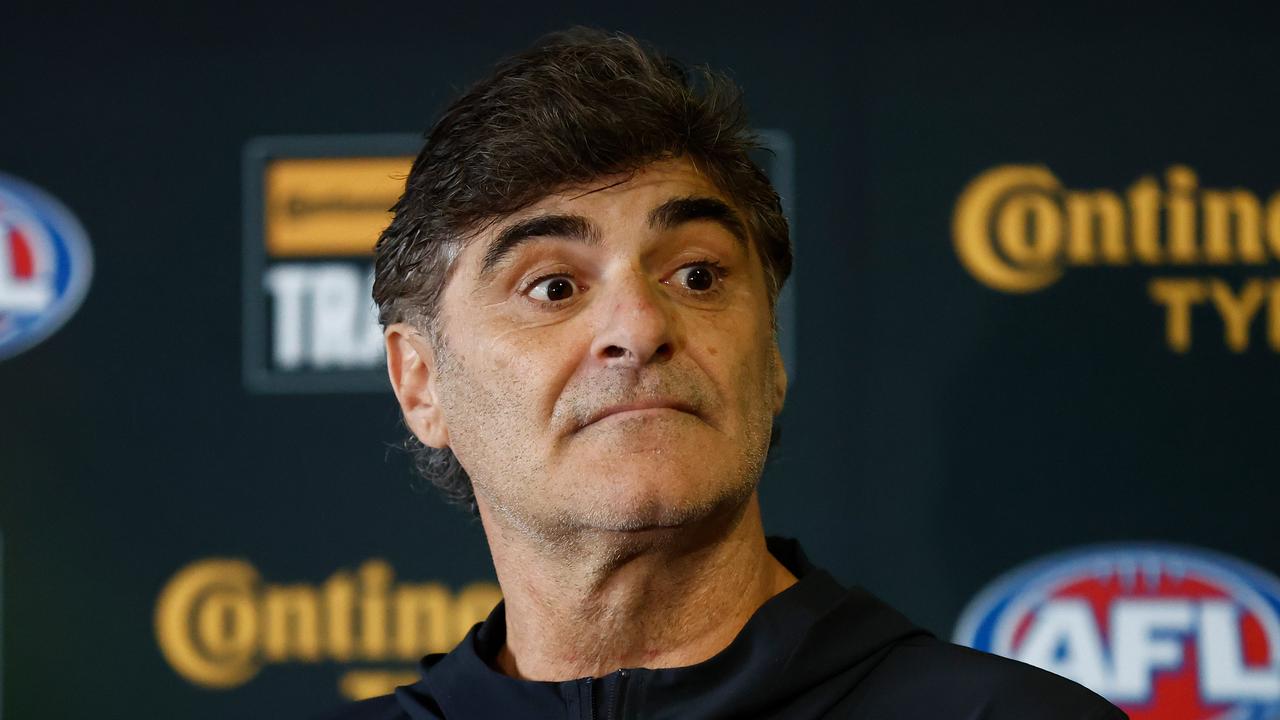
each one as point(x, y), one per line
point(656, 598)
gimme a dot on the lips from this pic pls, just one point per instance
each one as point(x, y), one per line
point(670, 404)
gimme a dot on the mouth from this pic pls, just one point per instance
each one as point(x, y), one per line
point(644, 407)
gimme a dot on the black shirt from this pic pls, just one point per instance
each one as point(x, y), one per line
point(815, 650)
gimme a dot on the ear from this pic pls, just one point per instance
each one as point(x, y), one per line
point(411, 367)
point(779, 381)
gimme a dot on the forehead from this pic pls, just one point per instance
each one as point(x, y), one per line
point(620, 199)
point(623, 194)
point(660, 195)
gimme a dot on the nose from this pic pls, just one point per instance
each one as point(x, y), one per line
point(639, 324)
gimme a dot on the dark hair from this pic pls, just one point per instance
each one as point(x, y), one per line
point(579, 105)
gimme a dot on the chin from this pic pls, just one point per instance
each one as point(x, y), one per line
point(656, 496)
point(639, 477)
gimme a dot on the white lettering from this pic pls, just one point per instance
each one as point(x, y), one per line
point(1146, 636)
point(1223, 675)
point(287, 284)
point(324, 317)
point(334, 307)
point(1064, 639)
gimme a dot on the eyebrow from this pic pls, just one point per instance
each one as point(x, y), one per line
point(678, 211)
point(569, 227)
point(668, 215)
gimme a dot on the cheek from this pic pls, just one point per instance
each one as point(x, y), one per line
point(735, 356)
point(509, 378)
point(488, 429)
point(545, 359)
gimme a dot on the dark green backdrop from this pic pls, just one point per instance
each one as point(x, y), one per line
point(938, 433)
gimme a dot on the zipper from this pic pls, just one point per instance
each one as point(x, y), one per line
point(617, 689)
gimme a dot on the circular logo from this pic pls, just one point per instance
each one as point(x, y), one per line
point(1162, 631)
point(45, 265)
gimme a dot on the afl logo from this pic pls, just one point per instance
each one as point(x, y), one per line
point(1162, 631)
point(45, 265)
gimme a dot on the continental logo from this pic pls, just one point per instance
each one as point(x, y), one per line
point(314, 208)
point(323, 216)
point(1017, 229)
point(331, 207)
point(218, 623)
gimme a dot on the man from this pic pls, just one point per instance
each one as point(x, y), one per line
point(577, 291)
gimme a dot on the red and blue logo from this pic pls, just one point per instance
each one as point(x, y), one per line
point(45, 265)
point(1165, 632)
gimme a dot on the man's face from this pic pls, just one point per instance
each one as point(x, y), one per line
point(607, 357)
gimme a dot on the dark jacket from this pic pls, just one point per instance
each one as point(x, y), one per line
point(816, 650)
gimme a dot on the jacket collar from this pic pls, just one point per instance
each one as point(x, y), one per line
point(784, 648)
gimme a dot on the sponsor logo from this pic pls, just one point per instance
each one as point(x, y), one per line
point(45, 265)
point(1162, 631)
point(218, 623)
point(1017, 229)
point(314, 207)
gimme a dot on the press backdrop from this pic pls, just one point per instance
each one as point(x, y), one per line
point(202, 508)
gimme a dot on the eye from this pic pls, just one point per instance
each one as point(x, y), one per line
point(699, 277)
point(555, 288)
